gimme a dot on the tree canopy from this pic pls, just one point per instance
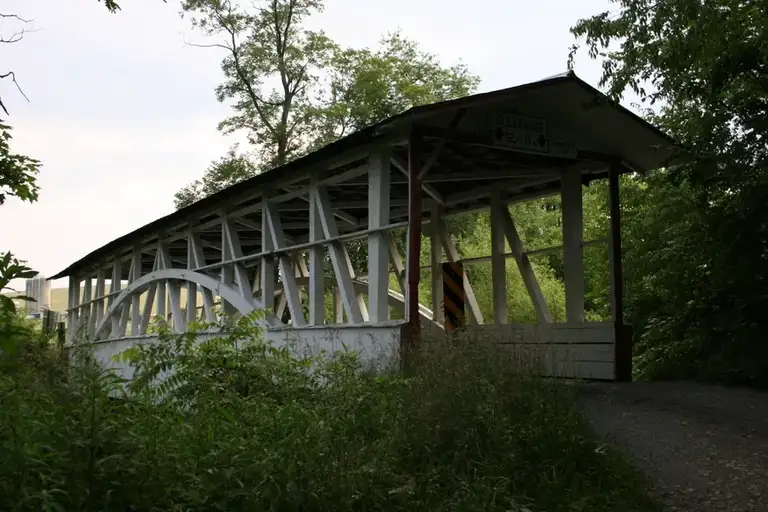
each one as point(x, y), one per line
point(696, 235)
point(293, 90)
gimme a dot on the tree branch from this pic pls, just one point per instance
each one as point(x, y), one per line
point(13, 77)
point(15, 17)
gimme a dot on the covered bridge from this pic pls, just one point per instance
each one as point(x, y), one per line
point(263, 244)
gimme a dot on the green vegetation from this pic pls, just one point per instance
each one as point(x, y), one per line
point(695, 236)
point(325, 91)
point(246, 426)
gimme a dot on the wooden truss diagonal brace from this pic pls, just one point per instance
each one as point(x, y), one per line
point(353, 304)
point(198, 260)
point(174, 291)
point(441, 145)
point(426, 187)
point(526, 270)
point(287, 271)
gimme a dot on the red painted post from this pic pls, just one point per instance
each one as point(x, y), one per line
point(415, 163)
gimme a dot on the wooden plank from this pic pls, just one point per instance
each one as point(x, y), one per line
point(498, 264)
point(584, 361)
point(552, 333)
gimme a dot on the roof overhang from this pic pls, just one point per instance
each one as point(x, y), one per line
point(525, 136)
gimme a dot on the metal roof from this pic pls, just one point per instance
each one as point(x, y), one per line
point(577, 108)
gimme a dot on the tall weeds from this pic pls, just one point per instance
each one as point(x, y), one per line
point(242, 425)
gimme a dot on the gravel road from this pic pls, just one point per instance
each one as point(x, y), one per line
point(705, 447)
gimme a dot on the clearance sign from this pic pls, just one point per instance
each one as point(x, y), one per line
point(526, 134)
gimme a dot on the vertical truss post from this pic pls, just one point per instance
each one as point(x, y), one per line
point(498, 261)
point(415, 164)
point(73, 314)
point(316, 263)
point(125, 314)
point(149, 303)
point(174, 290)
point(135, 312)
point(191, 307)
point(436, 259)
point(162, 295)
point(115, 286)
point(267, 280)
point(573, 251)
point(378, 217)
point(338, 307)
point(98, 304)
point(85, 313)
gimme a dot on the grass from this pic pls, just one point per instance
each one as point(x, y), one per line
point(254, 429)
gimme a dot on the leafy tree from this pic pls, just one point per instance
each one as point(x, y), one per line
point(696, 234)
point(270, 68)
point(18, 173)
point(226, 171)
point(366, 86)
point(323, 91)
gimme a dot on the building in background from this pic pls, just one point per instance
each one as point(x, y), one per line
point(38, 289)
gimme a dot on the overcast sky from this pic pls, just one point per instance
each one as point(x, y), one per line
point(122, 113)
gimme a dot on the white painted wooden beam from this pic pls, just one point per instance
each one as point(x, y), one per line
point(338, 307)
point(509, 186)
point(209, 313)
point(339, 258)
point(573, 254)
point(227, 271)
point(98, 305)
point(152, 295)
point(162, 297)
point(429, 189)
point(72, 302)
point(127, 308)
point(85, 313)
point(498, 264)
point(234, 252)
point(316, 261)
point(436, 261)
point(286, 267)
point(267, 269)
point(191, 306)
point(526, 270)
point(114, 287)
point(178, 321)
point(398, 267)
point(452, 126)
point(378, 217)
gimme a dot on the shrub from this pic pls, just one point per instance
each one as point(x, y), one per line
point(233, 423)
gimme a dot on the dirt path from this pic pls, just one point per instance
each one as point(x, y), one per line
point(705, 447)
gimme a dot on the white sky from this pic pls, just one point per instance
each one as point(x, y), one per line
point(122, 113)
